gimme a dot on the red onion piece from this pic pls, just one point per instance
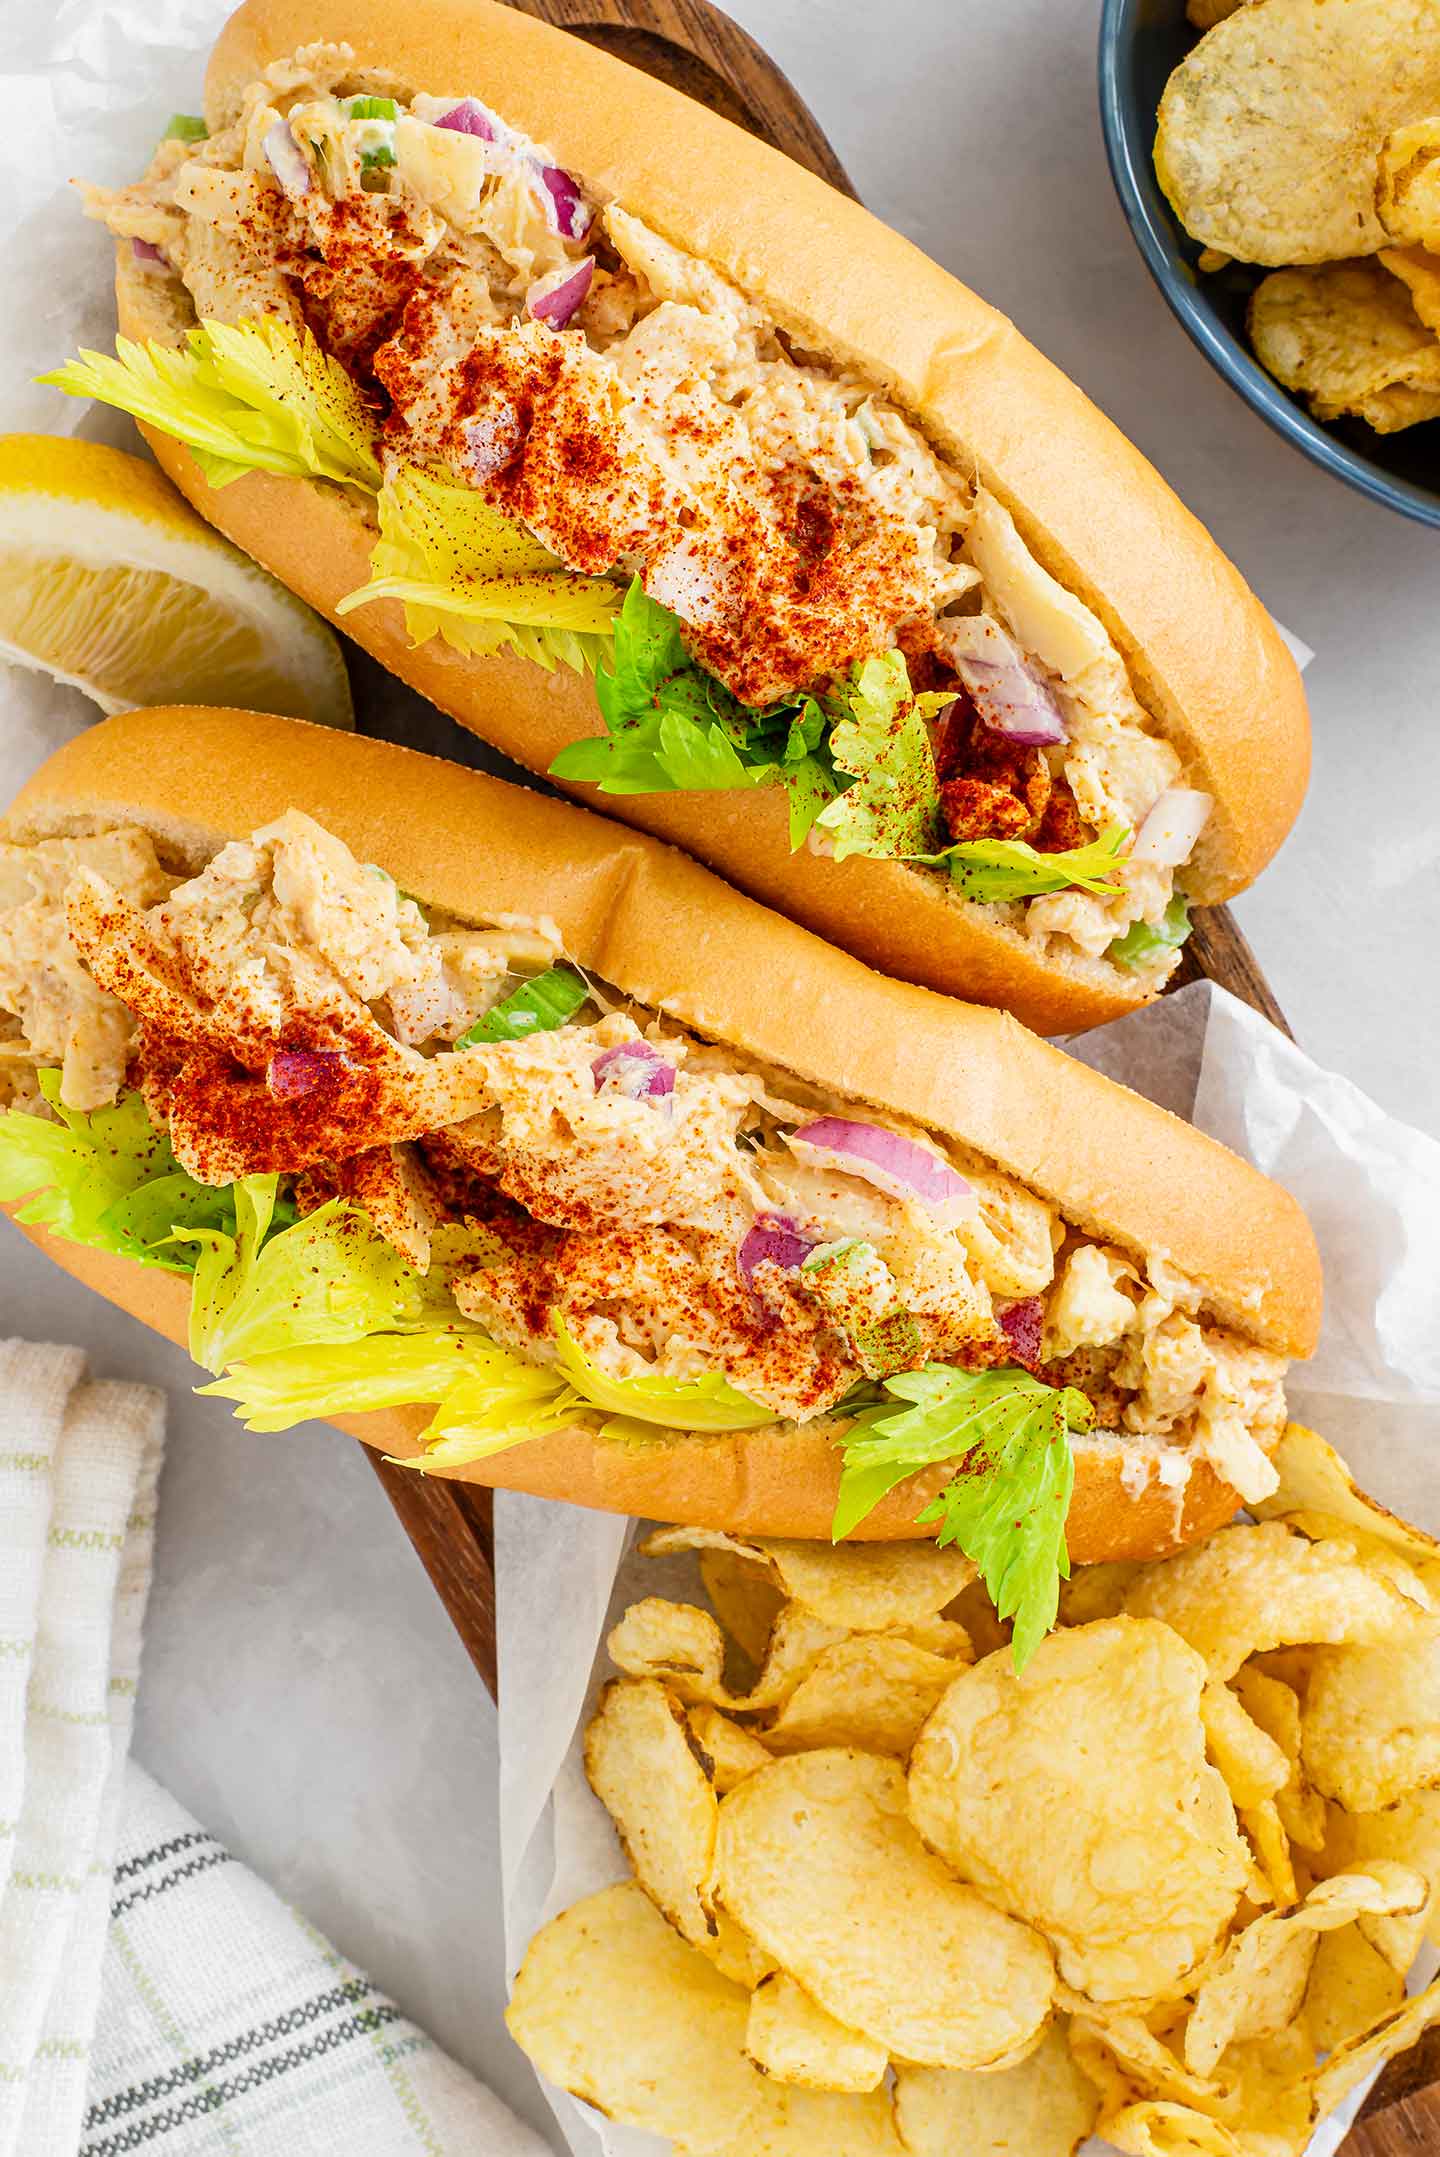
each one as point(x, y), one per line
point(145, 252)
point(554, 298)
point(1167, 836)
point(1023, 1325)
point(895, 1165)
point(634, 1069)
point(286, 160)
point(470, 117)
point(774, 1237)
point(1008, 692)
point(293, 1073)
point(570, 213)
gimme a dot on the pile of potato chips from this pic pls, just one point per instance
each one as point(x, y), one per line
point(1306, 133)
point(889, 1897)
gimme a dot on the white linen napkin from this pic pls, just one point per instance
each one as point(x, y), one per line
point(154, 1995)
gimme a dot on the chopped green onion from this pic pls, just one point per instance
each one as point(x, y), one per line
point(538, 1006)
point(373, 108)
point(373, 160)
point(185, 127)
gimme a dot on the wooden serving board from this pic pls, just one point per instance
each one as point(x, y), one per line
point(696, 48)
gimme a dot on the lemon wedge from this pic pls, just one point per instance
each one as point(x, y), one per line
point(110, 582)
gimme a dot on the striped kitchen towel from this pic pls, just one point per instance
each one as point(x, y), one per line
point(154, 1995)
point(227, 2025)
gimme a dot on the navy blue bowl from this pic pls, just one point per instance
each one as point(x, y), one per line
point(1141, 41)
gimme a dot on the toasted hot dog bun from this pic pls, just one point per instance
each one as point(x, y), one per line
point(1204, 656)
point(667, 933)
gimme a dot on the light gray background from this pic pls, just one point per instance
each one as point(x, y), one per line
point(303, 1690)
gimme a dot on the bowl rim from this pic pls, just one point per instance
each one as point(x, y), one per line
point(1138, 196)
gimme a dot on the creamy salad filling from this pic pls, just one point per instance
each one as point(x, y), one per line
point(577, 1173)
point(644, 419)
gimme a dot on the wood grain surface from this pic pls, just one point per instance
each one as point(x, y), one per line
point(696, 48)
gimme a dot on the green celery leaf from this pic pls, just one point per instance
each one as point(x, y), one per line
point(275, 1391)
point(327, 1279)
point(106, 1178)
point(811, 788)
point(480, 581)
point(996, 869)
point(670, 726)
point(252, 396)
point(1007, 1435)
point(879, 736)
point(538, 1006)
point(692, 1404)
point(1145, 940)
point(498, 1401)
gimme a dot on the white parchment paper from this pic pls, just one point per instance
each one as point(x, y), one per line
point(1370, 1185)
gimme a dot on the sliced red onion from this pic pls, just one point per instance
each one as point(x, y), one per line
point(570, 213)
point(634, 1069)
point(494, 440)
point(1167, 836)
point(895, 1165)
point(293, 1073)
point(470, 117)
point(287, 160)
point(1009, 694)
point(774, 1237)
point(1023, 1325)
point(553, 299)
point(151, 256)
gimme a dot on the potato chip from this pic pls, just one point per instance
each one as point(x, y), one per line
point(1352, 1987)
point(1270, 2100)
point(1275, 1708)
point(792, 2038)
point(1314, 1479)
point(1407, 195)
point(1165, 2130)
point(1145, 2059)
point(862, 1587)
point(975, 1610)
point(817, 1859)
point(1410, 1834)
point(1252, 1764)
point(1419, 271)
point(744, 1597)
point(1347, 338)
point(681, 1646)
point(1095, 1591)
point(611, 2004)
point(1371, 1727)
point(1259, 1985)
point(1351, 2062)
point(942, 1636)
point(1271, 129)
point(643, 1767)
point(1204, 14)
point(735, 1954)
point(1266, 1833)
point(1250, 1589)
point(797, 1641)
point(1045, 2107)
point(1079, 1796)
point(872, 1693)
point(728, 1752)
